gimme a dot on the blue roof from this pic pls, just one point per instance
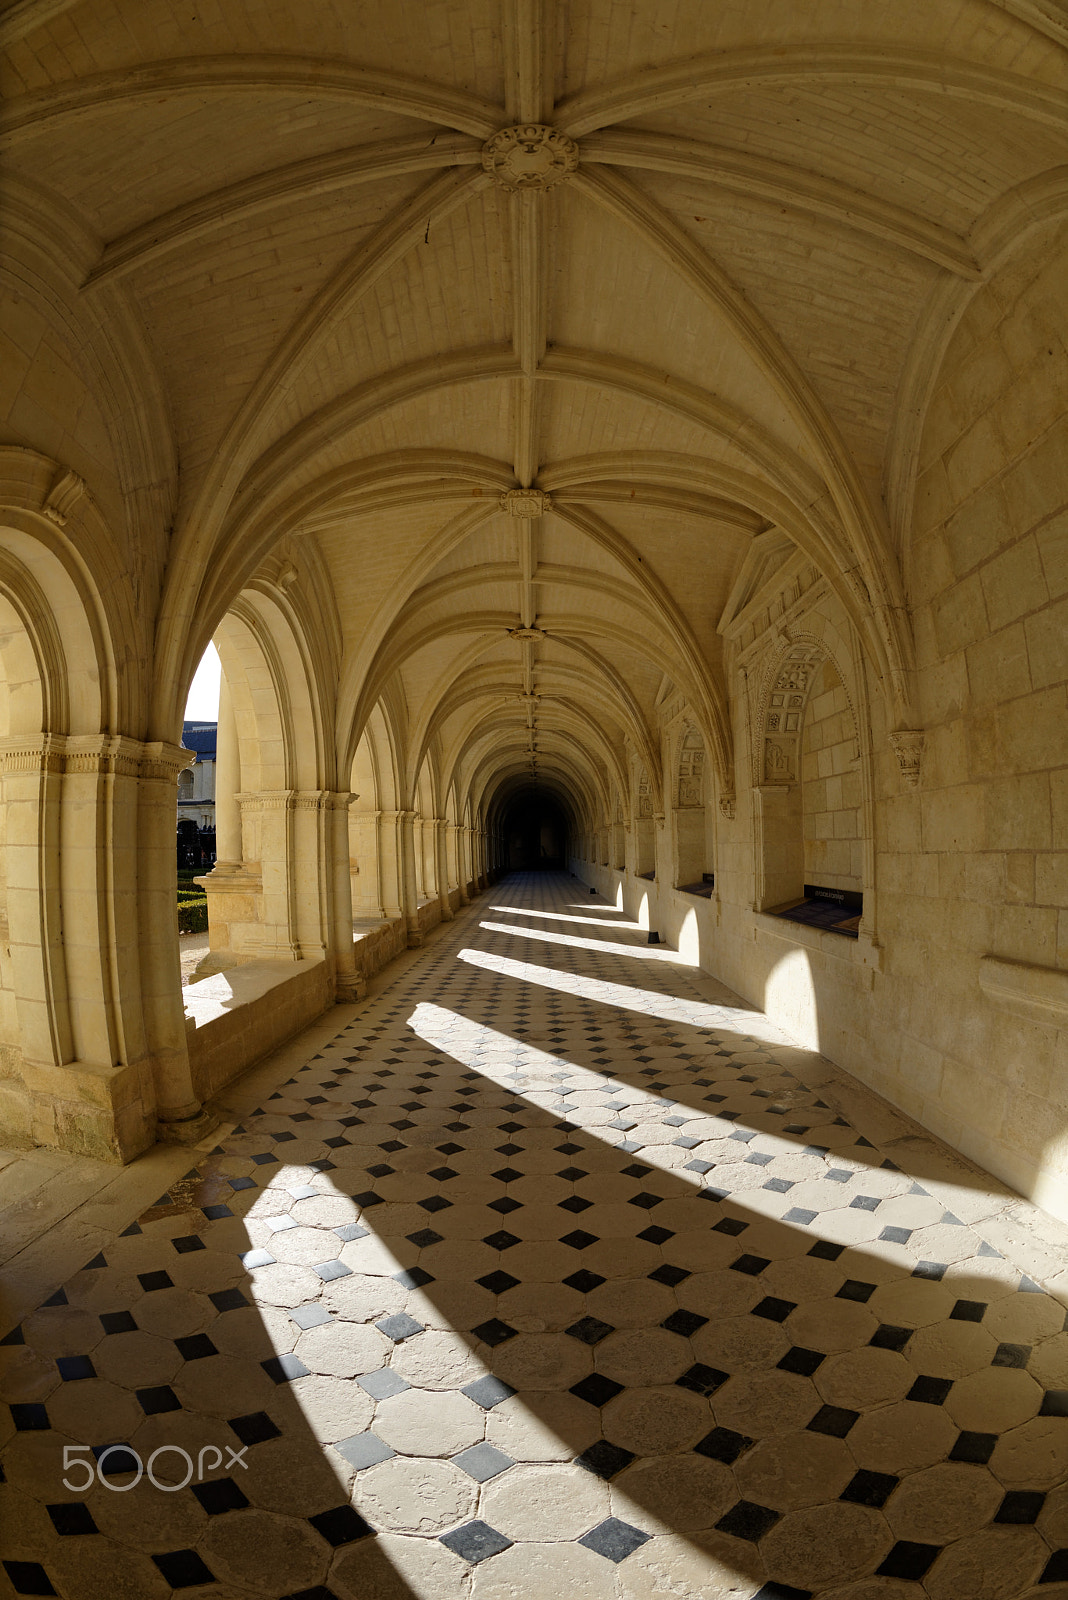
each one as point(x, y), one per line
point(201, 737)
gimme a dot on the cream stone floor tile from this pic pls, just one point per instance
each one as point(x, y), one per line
point(597, 1356)
point(417, 1497)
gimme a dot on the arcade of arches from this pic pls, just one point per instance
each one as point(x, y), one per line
point(623, 438)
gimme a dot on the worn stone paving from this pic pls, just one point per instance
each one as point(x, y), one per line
point(544, 1277)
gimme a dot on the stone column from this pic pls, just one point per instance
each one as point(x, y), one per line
point(227, 783)
point(349, 984)
point(409, 886)
point(459, 845)
point(182, 1118)
point(441, 867)
point(390, 875)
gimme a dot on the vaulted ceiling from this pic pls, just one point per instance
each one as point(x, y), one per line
point(679, 269)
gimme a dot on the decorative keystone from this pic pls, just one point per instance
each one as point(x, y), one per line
point(526, 633)
point(525, 503)
point(907, 746)
point(530, 156)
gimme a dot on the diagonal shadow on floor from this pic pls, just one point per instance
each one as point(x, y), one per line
point(591, 1355)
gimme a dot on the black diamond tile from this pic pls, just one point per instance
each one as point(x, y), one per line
point(575, 1202)
point(782, 1591)
point(349, 1231)
point(435, 1202)
point(683, 1322)
point(865, 1202)
point(72, 1517)
point(747, 1520)
point(976, 1448)
point(723, 1444)
point(854, 1290)
point(367, 1198)
point(498, 1282)
point(605, 1460)
point(28, 1577)
point(507, 1175)
point(590, 1330)
point(908, 1560)
point(1011, 1355)
point(897, 1235)
point(329, 1270)
point(888, 1336)
point(342, 1525)
point(1056, 1568)
point(833, 1420)
point(596, 1390)
point(669, 1275)
point(773, 1309)
point(183, 1569)
point(702, 1379)
point(1021, 1506)
point(488, 1392)
point(732, 1226)
point(750, 1265)
point(824, 1250)
point(71, 1368)
point(151, 1281)
point(118, 1322)
point(645, 1200)
point(502, 1240)
point(424, 1238)
point(505, 1205)
point(188, 1242)
point(579, 1240)
point(228, 1300)
point(584, 1282)
point(802, 1360)
point(934, 1270)
point(256, 1428)
point(969, 1311)
point(195, 1347)
point(1054, 1403)
point(615, 1540)
point(284, 1368)
point(870, 1488)
point(475, 1542)
point(572, 1174)
point(161, 1397)
point(399, 1326)
point(930, 1391)
point(221, 1494)
point(493, 1332)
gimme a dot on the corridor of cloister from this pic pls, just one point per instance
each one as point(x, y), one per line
point(554, 1268)
point(611, 1137)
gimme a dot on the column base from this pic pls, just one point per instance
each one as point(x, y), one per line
point(415, 939)
point(187, 1130)
point(349, 988)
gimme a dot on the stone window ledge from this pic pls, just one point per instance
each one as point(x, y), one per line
point(861, 951)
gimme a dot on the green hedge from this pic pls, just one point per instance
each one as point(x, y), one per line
point(193, 914)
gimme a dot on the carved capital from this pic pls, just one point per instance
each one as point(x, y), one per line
point(530, 156)
point(907, 746)
point(66, 490)
point(527, 503)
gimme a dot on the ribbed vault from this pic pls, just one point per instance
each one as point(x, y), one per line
point(519, 316)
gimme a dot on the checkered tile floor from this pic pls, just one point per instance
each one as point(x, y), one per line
point(544, 1277)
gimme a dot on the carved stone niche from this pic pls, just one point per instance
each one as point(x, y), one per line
point(907, 746)
point(530, 156)
point(780, 760)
